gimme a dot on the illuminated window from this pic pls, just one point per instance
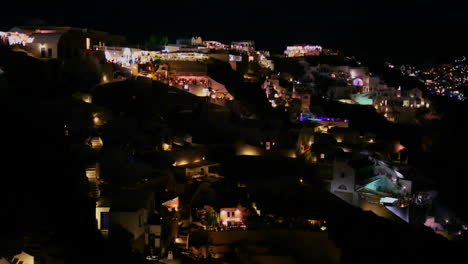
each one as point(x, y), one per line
point(88, 43)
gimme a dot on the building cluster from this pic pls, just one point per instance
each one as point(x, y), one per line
point(301, 51)
point(182, 64)
point(154, 183)
point(386, 185)
point(346, 81)
point(448, 79)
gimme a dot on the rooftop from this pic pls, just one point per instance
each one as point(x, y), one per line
point(198, 164)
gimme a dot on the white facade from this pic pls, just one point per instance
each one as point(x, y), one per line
point(23, 258)
point(300, 51)
point(230, 215)
point(343, 182)
point(243, 46)
point(45, 45)
point(214, 45)
point(133, 222)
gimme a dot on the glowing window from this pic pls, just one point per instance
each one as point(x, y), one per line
point(358, 82)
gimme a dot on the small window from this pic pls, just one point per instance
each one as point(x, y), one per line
point(342, 187)
point(343, 174)
point(49, 53)
point(43, 52)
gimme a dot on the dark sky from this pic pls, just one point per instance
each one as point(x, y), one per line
point(396, 29)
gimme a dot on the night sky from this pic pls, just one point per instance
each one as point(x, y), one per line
point(405, 30)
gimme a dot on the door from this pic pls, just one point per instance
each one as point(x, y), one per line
point(104, 220)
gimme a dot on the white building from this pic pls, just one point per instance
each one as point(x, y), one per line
point(215, 45)
point(232, 216)
point(342, 183)
point(193, 41)
point(21, 258)
point(247, 46)
point(301, 51)
point(126, 210)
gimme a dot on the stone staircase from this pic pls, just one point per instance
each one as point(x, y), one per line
point(96, 143)
point(92, 173)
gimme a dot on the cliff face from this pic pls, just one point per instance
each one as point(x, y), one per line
point(280, 246)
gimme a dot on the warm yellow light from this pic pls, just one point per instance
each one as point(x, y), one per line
point(88, 43)
point(104, 78)
point(96, 143)
point(96, 120)
point(87, 98)
point(166, 147)
point(182, 162)
point(249, 152)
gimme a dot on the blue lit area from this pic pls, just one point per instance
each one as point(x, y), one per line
point(314, 118)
